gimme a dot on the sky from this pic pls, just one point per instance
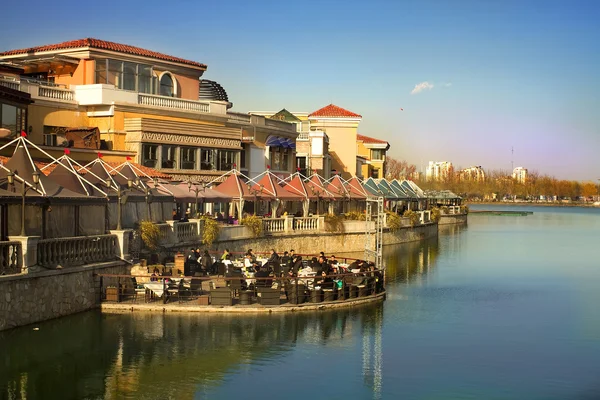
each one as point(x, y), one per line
point(494, 83)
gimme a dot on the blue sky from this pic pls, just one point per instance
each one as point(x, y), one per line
point(500, 74)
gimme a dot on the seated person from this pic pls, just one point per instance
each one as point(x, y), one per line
point(332, 260)
point(263, 273)
point(274, 257)
point(206, 262)
point(296, 264)
point(285, 259)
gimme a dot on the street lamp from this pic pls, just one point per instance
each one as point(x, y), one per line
point(148, 194)
point(108, 184)
point(196, 190)
point(255, 193)
point(25, 188)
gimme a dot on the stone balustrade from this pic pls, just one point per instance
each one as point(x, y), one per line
point(55, 93)
point(186, 231)
point(11, 258)
point(165, 233)
point(271, 225)
point(73, 251)
point(173, 102)
point(306, 224)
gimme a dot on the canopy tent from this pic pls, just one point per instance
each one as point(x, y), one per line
point(336, 187)
point(372, 188)
point(400, 191)
point(419, 192)
point(295, 184)
point(181, 192)
point(63, 212)
point(316, 188)
point(236, 188)
point(355, 189)
point(270, 184)
point(66, 173)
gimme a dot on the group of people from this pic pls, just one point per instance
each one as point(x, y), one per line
point(198, 262)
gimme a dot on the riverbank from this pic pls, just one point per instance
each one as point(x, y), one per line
point(527, 203)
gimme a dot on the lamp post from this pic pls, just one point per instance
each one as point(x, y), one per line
point(147, 194)
point(25, 189)
point(108, 184)
point(255, 193)
point(196, 190)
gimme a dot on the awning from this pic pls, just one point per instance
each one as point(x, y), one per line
point(278, 141)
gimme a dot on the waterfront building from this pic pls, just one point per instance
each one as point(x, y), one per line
point(520, 174)
point(474, 173)
point(373, 151)
point(126, 101)
point(439, 171)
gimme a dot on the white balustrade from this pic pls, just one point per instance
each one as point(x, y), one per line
point(306, 224)
point(11, 258)
point(11, 84)
point(173, 102)
point(271, 225)
point(55, 93)
point(165, 233)
point(73, 251)
point(186, 231)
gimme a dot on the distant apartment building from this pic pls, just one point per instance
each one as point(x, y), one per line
point(520, 174)
point(438, 170)
point(474, 173)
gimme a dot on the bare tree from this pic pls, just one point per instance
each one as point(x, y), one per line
point(399, 169)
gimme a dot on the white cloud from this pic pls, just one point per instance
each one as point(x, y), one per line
point(419, 87)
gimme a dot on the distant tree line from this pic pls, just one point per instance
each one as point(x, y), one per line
point(499, 182)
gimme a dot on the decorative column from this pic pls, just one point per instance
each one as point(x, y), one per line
point(29, 254)
point(122, 245)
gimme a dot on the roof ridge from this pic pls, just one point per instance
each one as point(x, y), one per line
point(331, 110)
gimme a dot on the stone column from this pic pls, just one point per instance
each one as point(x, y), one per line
point(288, 224)
point(29, 254)
point(173, 237)
point(321, 223)
point(122, 249)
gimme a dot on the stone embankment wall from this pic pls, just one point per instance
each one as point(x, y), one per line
point(452, 219)
point(34, 297)
point(330, 243)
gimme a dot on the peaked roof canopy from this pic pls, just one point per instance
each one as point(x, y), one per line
point(355, 189)
point(235, 187)
point(271, 188)
point(334, 111)
point(102, 45)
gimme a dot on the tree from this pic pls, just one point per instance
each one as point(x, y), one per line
point(399, 169)
point(589, 189)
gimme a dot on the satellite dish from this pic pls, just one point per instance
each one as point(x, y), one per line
point(4, 133)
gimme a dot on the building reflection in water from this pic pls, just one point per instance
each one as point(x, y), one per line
point(94, 355)
point(410, 262)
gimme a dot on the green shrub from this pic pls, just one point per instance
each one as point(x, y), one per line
point(334, 223)
point(435, 214)
point(412, 216)
point(394, 221)
point(150, 234)
point(210, 230)
point(356, 216)
point(464, 209)
point(254, 223)
point(445, 210)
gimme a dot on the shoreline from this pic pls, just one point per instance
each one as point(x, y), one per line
point(525, 203)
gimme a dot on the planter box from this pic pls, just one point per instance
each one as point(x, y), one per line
point(200, 301)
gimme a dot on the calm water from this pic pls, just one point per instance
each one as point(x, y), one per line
point(504, 308)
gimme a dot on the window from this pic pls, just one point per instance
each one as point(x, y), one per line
point(129, 76)
point(302, 166)
point(115, 73)
point(168, 157)
point(101, 76)
point(188, 158)
point(377, 154)
point(145, 79)
point(166, 85)
point(375, 173)
point(8, 118)
point(226, 159)
point(149, 155)
point(206, 159)
point(279, 158)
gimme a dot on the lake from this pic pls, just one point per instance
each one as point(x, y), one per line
point(505, 307)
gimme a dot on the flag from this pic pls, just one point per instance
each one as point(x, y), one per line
point(23, 134)
point(128, 158)
point(268, 167)
point(67, 151)
point(99, 155)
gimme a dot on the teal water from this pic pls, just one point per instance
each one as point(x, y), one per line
point(504, 308)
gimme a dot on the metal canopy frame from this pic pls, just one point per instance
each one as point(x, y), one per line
point(374, 232)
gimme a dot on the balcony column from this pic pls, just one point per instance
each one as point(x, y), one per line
point(122, 245)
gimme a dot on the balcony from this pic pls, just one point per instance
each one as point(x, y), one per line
point(40, 90)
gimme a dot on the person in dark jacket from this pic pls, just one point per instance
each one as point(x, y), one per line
point(274, 257)
point(206, 262)
point(191, 263)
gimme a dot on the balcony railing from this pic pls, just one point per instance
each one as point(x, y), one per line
point(303, 136)
point(9, 83)
point(240, 118)
point(271, 225)
point(55, 93)
point(39, 89)
point(186, 231)
point(172, 102)
point(73, 251)
point(306, 224)
point(10, 258)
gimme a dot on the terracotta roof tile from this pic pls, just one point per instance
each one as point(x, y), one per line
point(367, 139)
point(104, 45)
point(334, 111)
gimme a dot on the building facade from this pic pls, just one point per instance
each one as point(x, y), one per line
point(520, 174)
point(439, 171)
point(373, 152)
point(149, 106)
point(474, 173)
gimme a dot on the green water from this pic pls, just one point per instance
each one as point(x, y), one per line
point(504, 308)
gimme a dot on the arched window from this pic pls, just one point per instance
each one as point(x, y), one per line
point(167, 85)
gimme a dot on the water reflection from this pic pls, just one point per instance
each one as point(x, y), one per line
point(169, 355)
point(410, 262)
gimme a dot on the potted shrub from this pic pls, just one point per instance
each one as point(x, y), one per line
point(254, 223)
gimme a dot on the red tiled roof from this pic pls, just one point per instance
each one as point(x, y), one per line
point(149, 171)
point(366, 139)
point(104, 45)
point(334, 111)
